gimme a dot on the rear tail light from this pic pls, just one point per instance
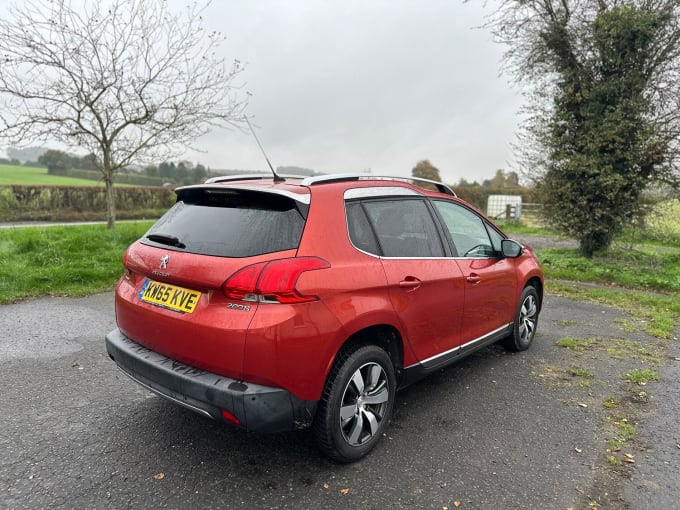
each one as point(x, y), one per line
point(127, 272)
point(129, 276)
point(273, 281)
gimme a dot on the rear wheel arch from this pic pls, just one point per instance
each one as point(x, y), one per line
point(385, 336)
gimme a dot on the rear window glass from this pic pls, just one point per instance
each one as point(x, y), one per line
point(229, 223)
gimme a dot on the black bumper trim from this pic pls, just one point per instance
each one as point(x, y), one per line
point(258, 408)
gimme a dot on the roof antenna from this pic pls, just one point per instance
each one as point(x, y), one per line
point(277, 177)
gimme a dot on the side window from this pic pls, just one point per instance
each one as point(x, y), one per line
point(467, 230)
point(405, 228)
point(360, 232)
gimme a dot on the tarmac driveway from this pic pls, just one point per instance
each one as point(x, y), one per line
point(497, 430)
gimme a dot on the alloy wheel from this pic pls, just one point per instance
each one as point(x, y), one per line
point(364, 403)
point(527, 318)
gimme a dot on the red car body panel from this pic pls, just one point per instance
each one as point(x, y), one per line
point(211, 338)
point(489, 295)
point(429, 312)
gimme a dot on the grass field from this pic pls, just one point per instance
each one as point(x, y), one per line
point(63, 261)
point(663, 223)
point(38, 176)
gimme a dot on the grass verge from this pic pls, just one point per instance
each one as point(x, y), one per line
point(63, 261)
point(638, 269)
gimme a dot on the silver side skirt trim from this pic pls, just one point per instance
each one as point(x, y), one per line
point(461, 347)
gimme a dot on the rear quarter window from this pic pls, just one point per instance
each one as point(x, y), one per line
point(231, 223)
point(404, 228)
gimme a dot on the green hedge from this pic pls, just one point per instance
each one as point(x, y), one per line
point(71, 203)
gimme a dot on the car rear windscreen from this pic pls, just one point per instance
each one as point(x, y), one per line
point(229, 223)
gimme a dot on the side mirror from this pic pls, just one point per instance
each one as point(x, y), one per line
point(511, 249)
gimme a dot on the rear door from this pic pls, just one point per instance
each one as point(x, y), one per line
point(425, 286)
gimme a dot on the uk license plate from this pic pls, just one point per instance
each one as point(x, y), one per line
point(168, 296)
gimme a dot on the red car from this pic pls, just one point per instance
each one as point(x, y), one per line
point(308, 302)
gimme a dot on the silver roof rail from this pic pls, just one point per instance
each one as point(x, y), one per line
point(320, 179)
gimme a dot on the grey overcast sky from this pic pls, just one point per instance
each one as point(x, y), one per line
point(353, 85)
point(364, 85)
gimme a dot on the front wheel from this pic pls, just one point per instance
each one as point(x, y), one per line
point(356, 404)
point(526, 320)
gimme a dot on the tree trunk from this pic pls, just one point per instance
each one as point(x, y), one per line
point(110, 201)
point(592, 242)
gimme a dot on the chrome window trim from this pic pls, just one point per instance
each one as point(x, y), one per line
point(420, 258)
point(381, 257)
point(379, 191)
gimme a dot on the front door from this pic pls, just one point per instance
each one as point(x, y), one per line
point(490, 280)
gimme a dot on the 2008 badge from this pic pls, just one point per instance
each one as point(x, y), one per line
point(236, 306)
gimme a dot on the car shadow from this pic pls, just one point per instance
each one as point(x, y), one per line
point(156, 424)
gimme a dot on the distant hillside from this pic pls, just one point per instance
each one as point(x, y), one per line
point(27, 154)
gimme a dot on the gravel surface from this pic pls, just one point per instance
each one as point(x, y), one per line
point(497, 430)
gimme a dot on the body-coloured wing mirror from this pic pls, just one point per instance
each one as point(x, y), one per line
point(511, 249)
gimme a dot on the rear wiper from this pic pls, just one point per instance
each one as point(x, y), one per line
point(166, 239)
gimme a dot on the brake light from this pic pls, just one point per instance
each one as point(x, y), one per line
point(273, 281)
point(127, 272)
point(126, 257)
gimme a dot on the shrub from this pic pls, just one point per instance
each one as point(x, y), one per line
point(71, 203)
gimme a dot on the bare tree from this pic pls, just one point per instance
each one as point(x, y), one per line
point(127, 80)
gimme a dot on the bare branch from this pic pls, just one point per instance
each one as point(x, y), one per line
point(128, 80)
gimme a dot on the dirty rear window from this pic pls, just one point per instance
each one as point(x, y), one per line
point(229, 223)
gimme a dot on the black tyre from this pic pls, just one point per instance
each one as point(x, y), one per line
point(526, 320)
point(356, 404)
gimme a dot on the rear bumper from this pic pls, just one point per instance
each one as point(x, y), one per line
point(258, 408)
